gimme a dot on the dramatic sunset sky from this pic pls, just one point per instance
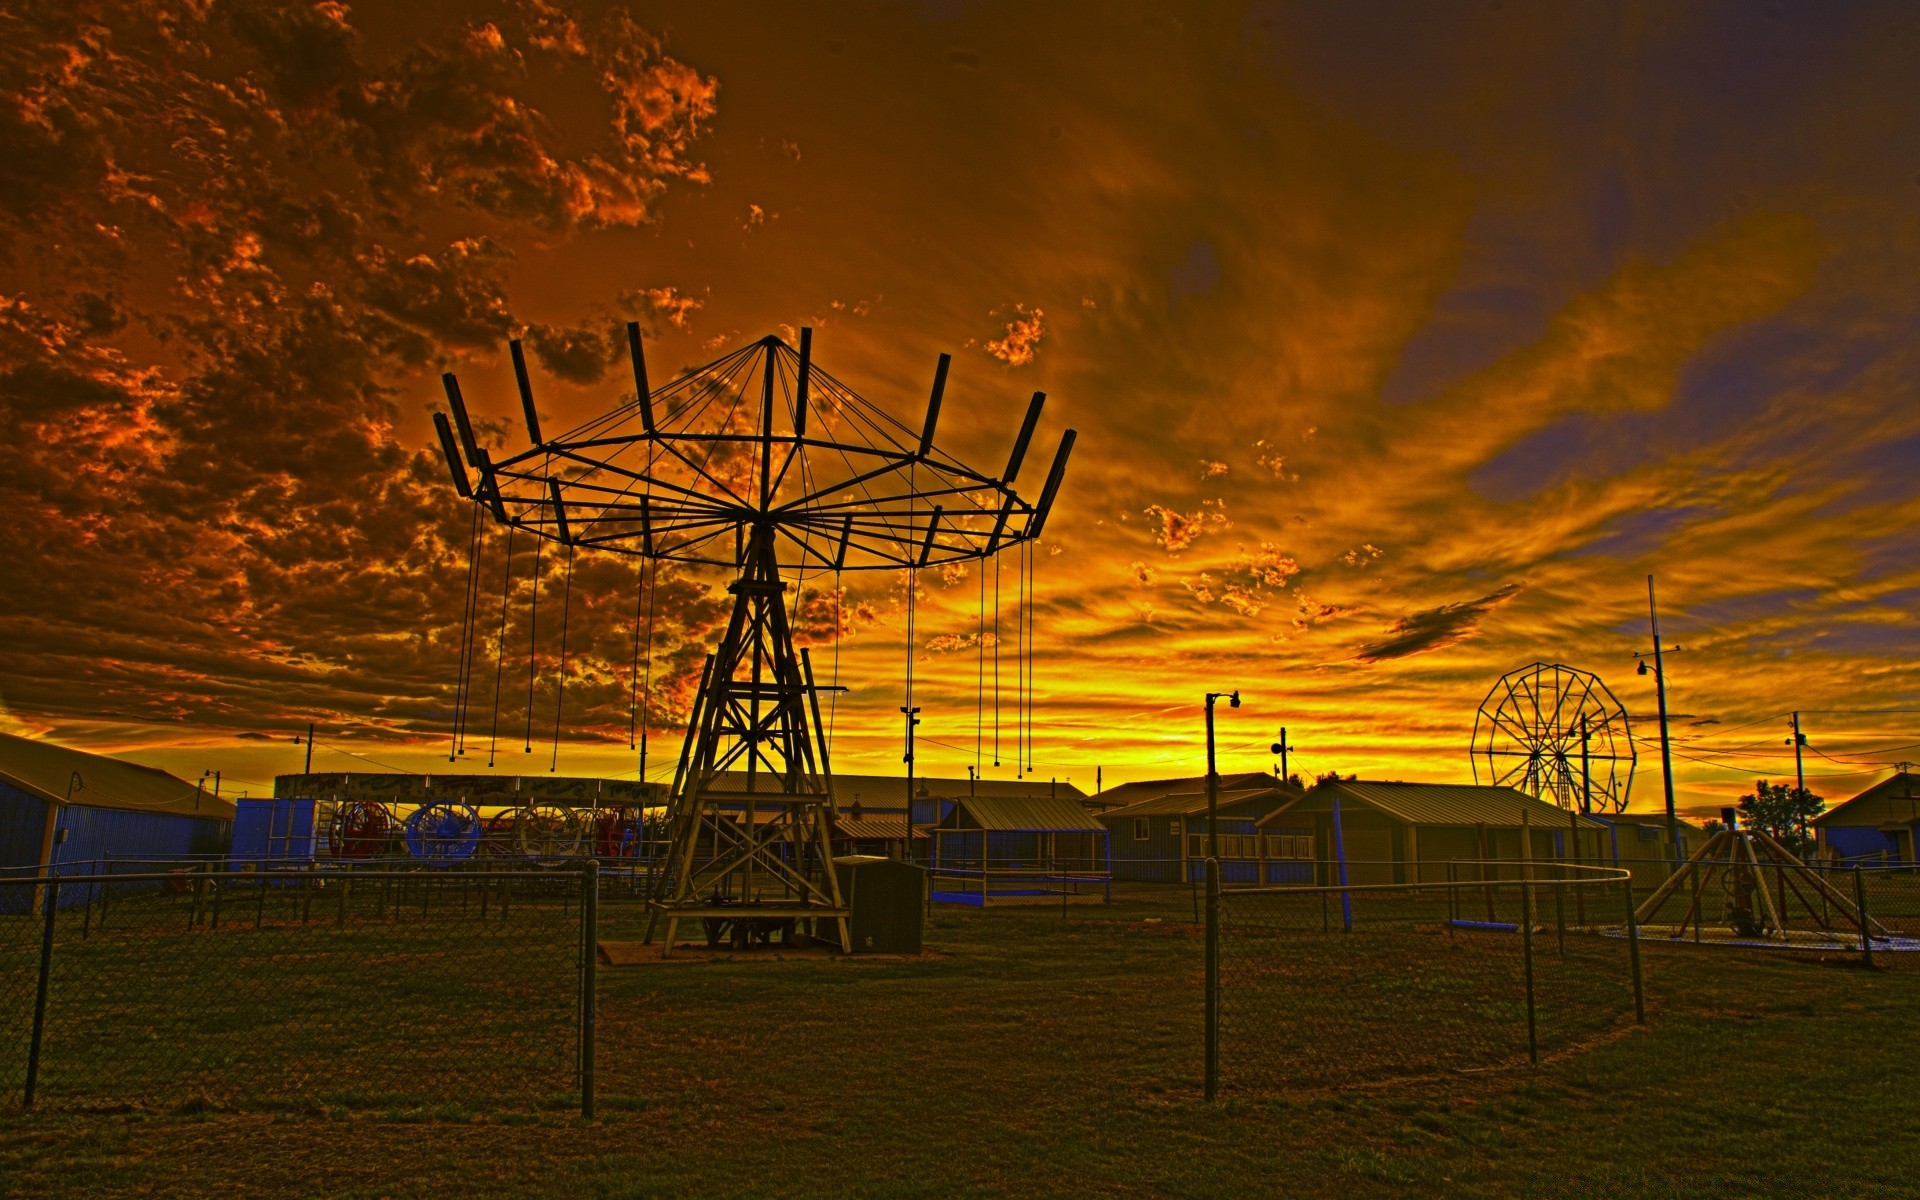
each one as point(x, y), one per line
point(1403, 342)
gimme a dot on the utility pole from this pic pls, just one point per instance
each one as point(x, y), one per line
point(1586, 767)
point(1799, 767)
point(912, 714)
point(1666, 748)
point(309, 768)
point(1799, 777)
point(1281, 747)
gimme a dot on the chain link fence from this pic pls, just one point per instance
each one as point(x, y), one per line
point(1315, 987)
point(301, 988)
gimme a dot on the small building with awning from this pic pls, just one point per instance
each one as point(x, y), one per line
point(1391, 831)
point(1019, 850)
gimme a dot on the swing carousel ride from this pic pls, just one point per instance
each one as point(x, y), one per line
point(763, 466)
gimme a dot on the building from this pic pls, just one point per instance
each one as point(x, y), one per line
point(1121, 795)
point(1018, 850)
point(1638, 841)
point(108, 808)
point(1162, 839)
point(1396, 832)
point(1879, 824)
point(884, 797)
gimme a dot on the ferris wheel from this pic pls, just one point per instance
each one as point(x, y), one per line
point(1556, 733)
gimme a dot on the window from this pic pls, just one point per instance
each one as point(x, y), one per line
point(1139, 829)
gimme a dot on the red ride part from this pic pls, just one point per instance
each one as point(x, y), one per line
point(360, 831)
point(614, 835)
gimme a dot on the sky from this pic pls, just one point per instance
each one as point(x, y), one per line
point(1402, 343)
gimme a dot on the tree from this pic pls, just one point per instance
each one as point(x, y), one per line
point(1781, 811)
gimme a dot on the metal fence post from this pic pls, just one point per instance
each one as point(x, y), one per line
point(51, 901)
point(1213, 978)
point(1859, 902)
point(589, 979)
point(1526, 951)
point(1633, 954)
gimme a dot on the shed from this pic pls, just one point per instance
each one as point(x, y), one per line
point(1019, 850)
point(1399, 832)
point(1162, 839)
point(1879, 824)
point(110, 808)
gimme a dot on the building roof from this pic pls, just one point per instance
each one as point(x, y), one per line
point(870, 829)
point(890, 791)
point(1442, 804)
point(1122, 795)
point(1008, 814)
point(1187, 804)
point(1895, 799)
point(1644, 818)
point(44, 769)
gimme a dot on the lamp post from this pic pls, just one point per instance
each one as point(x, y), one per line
point(1213, 775)
point(1212, 1076)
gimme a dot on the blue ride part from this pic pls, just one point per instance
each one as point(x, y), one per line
point(1497, 926)
point(443, 832)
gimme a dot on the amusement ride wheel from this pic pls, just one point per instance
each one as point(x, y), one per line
point(1556, 733)
point(443, 831)
point(359, 829)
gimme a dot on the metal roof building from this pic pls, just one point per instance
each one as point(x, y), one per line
point(1880, 823)
point(110, 808)
point(1019, 850)
point(1398, 832)
point(1162, 839)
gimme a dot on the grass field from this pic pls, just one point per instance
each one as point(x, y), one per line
point(1040, 1056)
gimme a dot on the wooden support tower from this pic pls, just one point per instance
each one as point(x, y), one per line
point(765, 850)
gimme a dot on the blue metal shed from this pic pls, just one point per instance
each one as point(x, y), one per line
point(109, 807)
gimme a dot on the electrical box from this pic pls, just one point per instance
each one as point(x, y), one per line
point(888, 902)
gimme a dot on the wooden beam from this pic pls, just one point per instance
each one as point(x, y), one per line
point(1026, 435)
point(1054, 477)
point(526, 391)
point(642, 396)
point(933, 404)
point(560, 510)
point(452, 454)
point(800, 387)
